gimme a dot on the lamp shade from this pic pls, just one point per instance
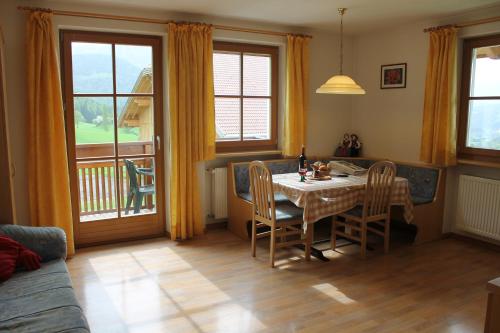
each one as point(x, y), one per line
point(340, 84)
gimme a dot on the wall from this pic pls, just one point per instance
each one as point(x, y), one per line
point(328, 118)
point(389, 121)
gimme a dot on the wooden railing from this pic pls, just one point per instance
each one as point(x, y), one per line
point(97, 179)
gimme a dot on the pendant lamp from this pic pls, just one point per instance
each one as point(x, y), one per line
point(341, 84)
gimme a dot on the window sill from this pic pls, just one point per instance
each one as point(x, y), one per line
point(249, 153)
point(495, 165)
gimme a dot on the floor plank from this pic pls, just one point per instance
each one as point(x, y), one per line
point(212, 284)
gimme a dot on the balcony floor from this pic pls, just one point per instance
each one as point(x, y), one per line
point(114, 215)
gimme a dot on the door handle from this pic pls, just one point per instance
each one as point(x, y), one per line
point(158, 142)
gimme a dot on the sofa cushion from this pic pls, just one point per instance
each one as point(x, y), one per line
point(48, 242)
point(41, 301)
point(279, 198)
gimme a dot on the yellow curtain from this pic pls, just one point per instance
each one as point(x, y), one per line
point(297, 94)
point(49, 192)
point(438, 145)
point(192, 121)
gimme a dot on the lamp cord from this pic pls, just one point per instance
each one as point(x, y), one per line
point(341, 40)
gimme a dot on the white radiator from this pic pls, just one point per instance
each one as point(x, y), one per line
point(478, 209)
point(219, 193)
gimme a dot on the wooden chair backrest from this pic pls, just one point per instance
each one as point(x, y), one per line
point(379, 188)
point(261, 188)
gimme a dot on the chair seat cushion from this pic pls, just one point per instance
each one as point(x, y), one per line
point(279, 198)
point(356, 211)
point(288, 212)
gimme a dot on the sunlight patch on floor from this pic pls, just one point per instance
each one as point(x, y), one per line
point(155, 290)
point(116, 268)
point(331, 291)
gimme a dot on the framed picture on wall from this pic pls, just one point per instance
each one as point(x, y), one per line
point(393, 76)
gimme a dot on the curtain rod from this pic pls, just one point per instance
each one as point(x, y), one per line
point(151, 20)
point(465, 24)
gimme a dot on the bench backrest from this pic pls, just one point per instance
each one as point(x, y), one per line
point(242, 178)
point(422, 180)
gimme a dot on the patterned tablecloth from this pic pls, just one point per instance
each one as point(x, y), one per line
point(321, 199)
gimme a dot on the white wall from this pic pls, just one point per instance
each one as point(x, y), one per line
point(329, 115)
point(389, 121)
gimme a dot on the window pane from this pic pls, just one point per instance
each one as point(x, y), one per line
point(484, 124)
point(92, 68)
point(256, 75)
point(94, 126)
point(134, 69)
point(227, 74)
point(256, 119)
point(485, 78)
point(135, 125)
point(227, 119)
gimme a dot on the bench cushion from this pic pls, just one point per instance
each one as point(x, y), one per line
point(288, 212)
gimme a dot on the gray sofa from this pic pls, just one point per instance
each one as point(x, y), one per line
point(41, 300)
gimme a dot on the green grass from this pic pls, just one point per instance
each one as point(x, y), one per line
point(90, 133)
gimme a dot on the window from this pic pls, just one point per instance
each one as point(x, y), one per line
point(479, 126)
point(246, 90)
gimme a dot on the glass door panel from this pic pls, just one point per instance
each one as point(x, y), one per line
point(135, 125)
point(94, 127)
point(92, 68)
point(97, 190)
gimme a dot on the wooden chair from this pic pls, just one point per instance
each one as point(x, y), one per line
point(136, 191)
point(283, 220)
point(375, 209)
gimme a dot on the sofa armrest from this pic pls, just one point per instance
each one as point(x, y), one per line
point(48, 242)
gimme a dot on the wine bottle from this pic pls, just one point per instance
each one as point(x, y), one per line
point(303, 158)
point(303, 164)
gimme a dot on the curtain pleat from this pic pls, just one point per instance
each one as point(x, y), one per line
point(49, 191)
point(438, 144)
point(297, 94)
point(192, 122)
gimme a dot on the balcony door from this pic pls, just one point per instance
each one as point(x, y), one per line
point(112, 87)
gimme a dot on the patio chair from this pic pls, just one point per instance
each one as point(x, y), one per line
point(136, 191)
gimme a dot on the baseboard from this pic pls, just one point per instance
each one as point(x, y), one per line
point(473, 240)
point(216, 225)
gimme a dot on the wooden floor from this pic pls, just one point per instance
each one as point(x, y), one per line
point(212, 284)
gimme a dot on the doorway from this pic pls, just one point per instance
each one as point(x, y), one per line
point(112, 85)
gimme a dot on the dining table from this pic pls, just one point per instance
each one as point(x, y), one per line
point(330, 197)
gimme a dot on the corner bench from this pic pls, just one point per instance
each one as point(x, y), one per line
point(427, 187)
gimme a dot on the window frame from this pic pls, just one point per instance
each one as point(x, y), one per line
point(464, 152)
point(252, 145)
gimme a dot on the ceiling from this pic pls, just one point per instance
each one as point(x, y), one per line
point(362, 15)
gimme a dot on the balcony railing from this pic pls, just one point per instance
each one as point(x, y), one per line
point(97, 179)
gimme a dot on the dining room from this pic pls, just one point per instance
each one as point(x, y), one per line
point(222, 166)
